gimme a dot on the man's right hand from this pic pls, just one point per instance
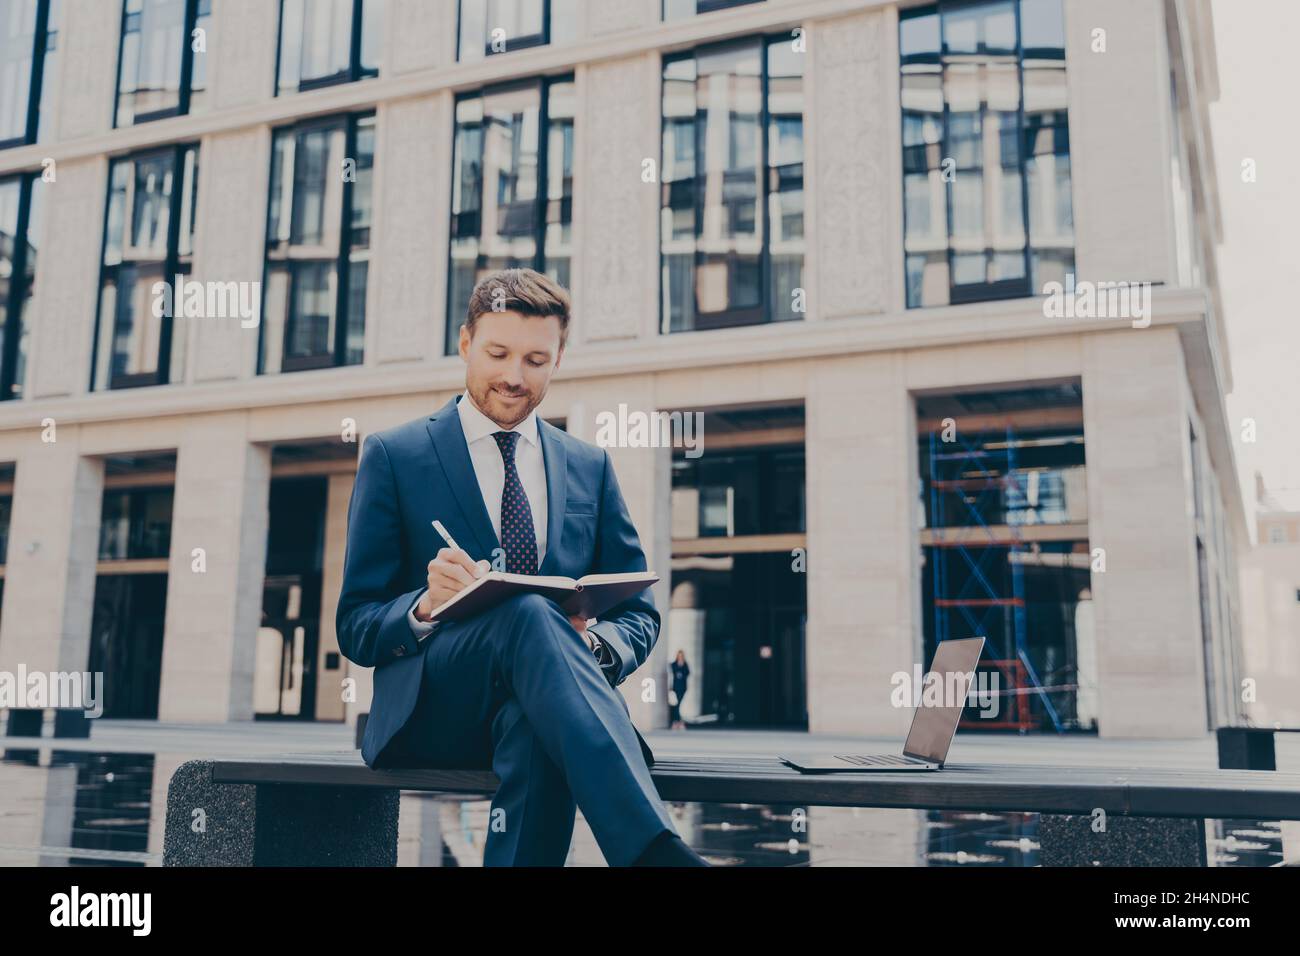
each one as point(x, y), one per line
point(449, 573)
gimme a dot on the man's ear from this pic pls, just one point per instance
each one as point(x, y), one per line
point(464, 342)
point(559, 355)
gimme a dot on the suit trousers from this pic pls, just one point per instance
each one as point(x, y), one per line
point(515, 688)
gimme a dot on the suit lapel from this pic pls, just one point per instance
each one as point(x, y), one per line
point(556, 460)
point(452, 453)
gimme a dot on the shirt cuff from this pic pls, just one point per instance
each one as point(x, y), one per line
point(609, 663)
point(420, 629)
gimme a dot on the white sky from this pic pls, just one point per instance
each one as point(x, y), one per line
point(1256, 117)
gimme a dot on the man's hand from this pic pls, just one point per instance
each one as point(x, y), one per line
point(449, 573)
point(580, 625)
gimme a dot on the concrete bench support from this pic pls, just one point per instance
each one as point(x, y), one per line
point(304, 825)
point(1069, 840)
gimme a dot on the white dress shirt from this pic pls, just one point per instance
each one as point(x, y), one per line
point(490, 470)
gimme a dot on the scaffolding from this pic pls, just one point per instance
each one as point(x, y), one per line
point(990, 599)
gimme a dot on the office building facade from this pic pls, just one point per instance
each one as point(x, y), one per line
point(892, 260)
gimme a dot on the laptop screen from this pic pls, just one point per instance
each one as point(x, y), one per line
point(933, 726)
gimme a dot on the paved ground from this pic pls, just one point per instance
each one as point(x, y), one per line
point(147, 736)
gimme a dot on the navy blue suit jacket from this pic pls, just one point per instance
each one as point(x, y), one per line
point(421, 470)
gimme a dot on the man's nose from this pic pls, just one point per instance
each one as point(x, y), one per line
point(514, 375)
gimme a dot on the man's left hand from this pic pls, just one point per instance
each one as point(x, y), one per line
point(580, 625)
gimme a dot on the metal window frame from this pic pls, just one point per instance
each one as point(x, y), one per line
point(731, 318)
point(542, 199)
point(170, 263)
point(337, 357)
point(522, 43)
point(18, 287)
point(40, 39)
point(704, 6)
point(354, 72)
point(999, 289)
point(182, 106)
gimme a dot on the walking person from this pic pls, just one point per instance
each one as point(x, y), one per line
point(681, 671)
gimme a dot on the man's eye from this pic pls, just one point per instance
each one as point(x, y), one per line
point(536, 364)
point(497, 356)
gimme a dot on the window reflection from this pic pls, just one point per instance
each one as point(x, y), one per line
point(986, 176)
point(491, 27)
point(323, 42)
point(21, 200)
point(732, 242)
point(136, 523)
point(159, 72)
point(680, 9)
point(502, 217)
point(318, 245)
point(147, 191)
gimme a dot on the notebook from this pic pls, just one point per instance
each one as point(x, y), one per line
point(588, 596)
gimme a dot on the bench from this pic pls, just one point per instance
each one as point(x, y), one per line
point(1249, 748)
point(330, 809)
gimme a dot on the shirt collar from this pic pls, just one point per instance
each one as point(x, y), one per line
point(476, 425)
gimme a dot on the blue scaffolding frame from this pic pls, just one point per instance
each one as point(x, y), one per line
point(982, 598)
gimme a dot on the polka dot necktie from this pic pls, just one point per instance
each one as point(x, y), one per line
point(517, 535)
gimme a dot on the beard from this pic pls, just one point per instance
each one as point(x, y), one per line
point(502, 407)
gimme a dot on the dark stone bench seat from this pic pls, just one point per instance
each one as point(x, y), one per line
point(330, 809)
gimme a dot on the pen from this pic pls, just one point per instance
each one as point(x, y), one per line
point(451, 542)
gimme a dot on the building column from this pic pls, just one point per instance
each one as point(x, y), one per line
point(330, 703)
point(242, 71)
point(615, 277)
point(50, 567)
point(67, 283)
point(863, 550)
point(406, 299)
point(855, 166)
point(1151, 665)
point(90, 34)
point(645, 478)
point(228, 247)
point(1125, 229)
point(213, 608)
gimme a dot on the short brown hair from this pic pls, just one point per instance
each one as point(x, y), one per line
point(519, 290)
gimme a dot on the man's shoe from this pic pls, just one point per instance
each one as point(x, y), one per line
point(668, 849)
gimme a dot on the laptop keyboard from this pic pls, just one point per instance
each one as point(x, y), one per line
point(878, 760)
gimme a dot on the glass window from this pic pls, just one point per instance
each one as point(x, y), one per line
point(28, 41)
point(318, 244)
point(20, 216)
point(986, 150)
point(136, 523)
point(323, 42)
point(159, 70)
point(148, 238)
point(680, 9)
point(731, 232)
point(512, 188)
point(6, 511)
point(489, 27)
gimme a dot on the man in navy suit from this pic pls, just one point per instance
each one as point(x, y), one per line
point(521, 687)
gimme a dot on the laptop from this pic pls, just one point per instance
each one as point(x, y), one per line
point(933, 728)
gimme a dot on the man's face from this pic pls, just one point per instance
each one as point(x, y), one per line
point(509, 363)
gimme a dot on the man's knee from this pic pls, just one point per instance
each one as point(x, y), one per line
point(520, 617)
point(530, 607)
